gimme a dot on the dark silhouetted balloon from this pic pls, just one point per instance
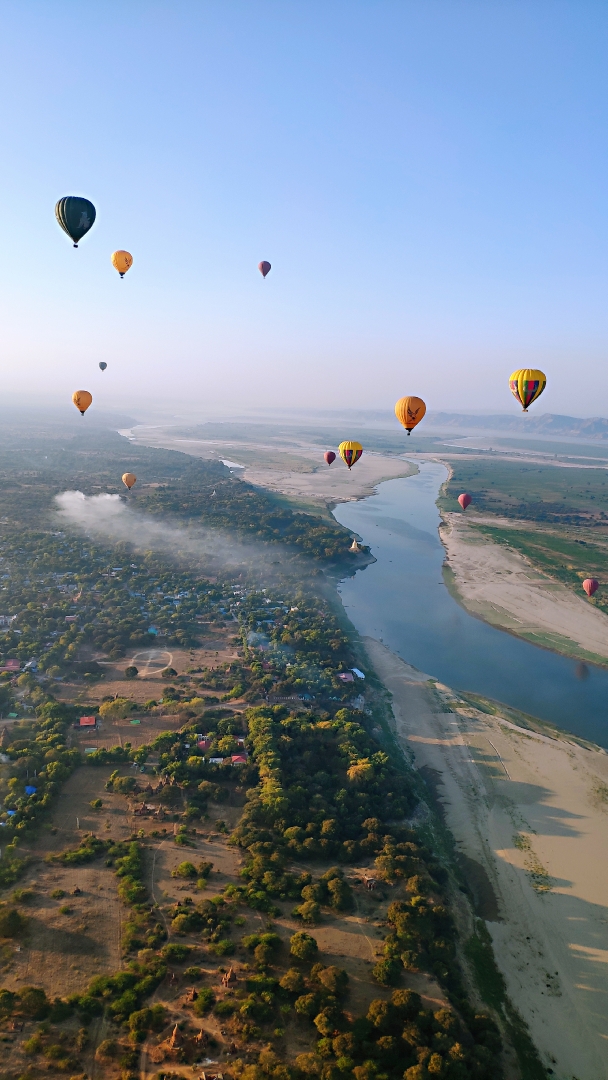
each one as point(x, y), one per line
point(76, 216)
point(329, 456)
point(590, 585)
point(264, 268)
point(464, 500)
point(103, 365)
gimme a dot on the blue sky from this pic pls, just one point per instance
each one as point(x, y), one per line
point(428, 180)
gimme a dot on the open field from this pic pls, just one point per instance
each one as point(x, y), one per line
point(529, 816)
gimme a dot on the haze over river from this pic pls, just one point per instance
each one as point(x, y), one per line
point(402, 600)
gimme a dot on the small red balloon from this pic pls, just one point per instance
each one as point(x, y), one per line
point(590, 585)
point(329, 456)
point(264, 268)
point(465, 500)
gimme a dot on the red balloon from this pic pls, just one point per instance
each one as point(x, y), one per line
point(590, 585)
point(464, 500)
point(264, 268)
point(329, 456)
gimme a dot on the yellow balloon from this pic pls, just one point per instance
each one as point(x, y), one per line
point(527, 384)
point(122, 261)
point(409, 412)
point(82, 399)
point(129, 479)
point(350, 452)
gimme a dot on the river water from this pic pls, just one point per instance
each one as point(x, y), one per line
point(401, 600)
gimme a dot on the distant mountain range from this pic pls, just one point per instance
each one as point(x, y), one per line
point(594, 427)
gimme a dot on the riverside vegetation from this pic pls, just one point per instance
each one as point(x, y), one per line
point(322, 801)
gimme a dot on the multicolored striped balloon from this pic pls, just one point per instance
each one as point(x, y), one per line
point(527, 385)
point(350, 452)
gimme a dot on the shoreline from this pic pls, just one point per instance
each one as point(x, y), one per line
point(515, 800)
point(500, 587)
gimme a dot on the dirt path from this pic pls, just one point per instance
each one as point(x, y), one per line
point(530, 817)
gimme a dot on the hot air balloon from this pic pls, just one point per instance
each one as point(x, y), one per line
point(122, 261)
point(465, 500)
point(350, 452)
point(76, 216)
point(129, 479)
point(82, 399)
point(264, 268)
point(409, 412)
point(329, 456)
point(590, 585)
point(527, 385)
point(103, 365)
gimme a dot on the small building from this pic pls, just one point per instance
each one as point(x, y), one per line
point(346, 676)
point(86, 722)
point(11, 665)
point(239, 759)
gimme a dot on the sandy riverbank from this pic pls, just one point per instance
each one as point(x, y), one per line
point(501, 587)
point(296, 470)
point(532, 812)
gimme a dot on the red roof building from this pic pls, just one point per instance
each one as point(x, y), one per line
point(87, 721)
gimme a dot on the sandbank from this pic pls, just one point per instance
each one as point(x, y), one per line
point(531, 812)
point(297, 471)
point(500, 586)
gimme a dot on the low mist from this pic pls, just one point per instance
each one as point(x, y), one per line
point(213, 551)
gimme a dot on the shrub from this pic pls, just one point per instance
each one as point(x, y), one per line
point(334, 979)
point(168, 673)
point(309, 912)
point(175, 953)
point(303, 946)
point(131, 672)
point(185, 870)
point(11, 923)
point(204, 1000)
point(387, 972)
point(292, 981)
point(96, 804)
point(34, 1002)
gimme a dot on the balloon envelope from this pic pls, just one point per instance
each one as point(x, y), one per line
point(350, 452)
point(103, 365)
point(76, 216)
point(590, 585)
point(409, 412)
point(82, 399)
point(122, 261)
point(465, 500)
point(329, 456)
point(527, 384)
point(264, 268)
point(129, 479)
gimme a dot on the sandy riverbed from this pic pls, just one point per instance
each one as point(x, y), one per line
point(276, 467)
point(532, 812)
point(500, 586)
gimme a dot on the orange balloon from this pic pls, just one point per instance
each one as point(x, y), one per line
point(129, 479)
point(409, 412)
point(82, 399)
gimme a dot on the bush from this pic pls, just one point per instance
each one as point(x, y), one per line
point(131, 672)
point(168, 673)
point(292, 981)
point(175, 953)
point(303, 946)
point(11, 923)
point(96, 804)
point(387, 972)
point(34, 1002)
point(185, 870)
point(204, 1000)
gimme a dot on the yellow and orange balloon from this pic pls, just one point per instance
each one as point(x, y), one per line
point(129, 479)
point(122, 261)
point(527, 384)
point(82, 399)
point(409, 412)
point(350, 452)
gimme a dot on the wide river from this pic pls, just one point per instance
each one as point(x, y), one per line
point(401, 600)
